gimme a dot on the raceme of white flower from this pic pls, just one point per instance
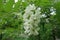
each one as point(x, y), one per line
point(31, 19)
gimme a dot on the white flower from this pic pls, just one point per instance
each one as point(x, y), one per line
point(44, 15)
point(30, 7)
point(26, 22)
point(32, 17)
point(39, 8)
point(27, 31)
point(35, 33)
point(16, 1)
point(29, 34)
point(47, 20)
point(53, 13)
point(51, 9)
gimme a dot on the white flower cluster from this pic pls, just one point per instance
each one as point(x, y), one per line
point(31, 19)
point(53, 11)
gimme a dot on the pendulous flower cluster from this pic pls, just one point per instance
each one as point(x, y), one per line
point(31, 19)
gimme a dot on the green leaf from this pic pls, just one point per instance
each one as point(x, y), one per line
point(17, 6)
point(57, 6)
point(1, 4)
point(9, 6)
